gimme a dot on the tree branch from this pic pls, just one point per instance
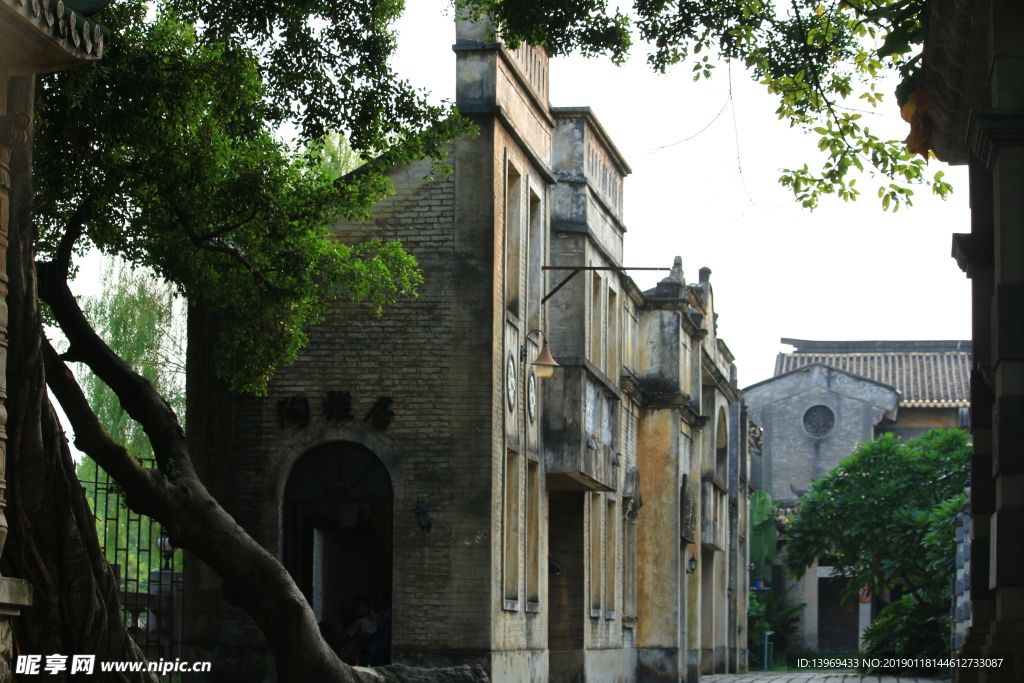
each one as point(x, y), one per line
point(138, 397)
point(218, 246)
point(72, 231)
point(231, 228)
point(90, 436)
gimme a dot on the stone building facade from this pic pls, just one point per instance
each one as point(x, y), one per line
point(826, 398)
point(972, 66)
point(586, 527)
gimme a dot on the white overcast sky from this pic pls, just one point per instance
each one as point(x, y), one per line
point(845, 271)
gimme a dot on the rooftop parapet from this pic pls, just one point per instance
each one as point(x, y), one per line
point(583, 151)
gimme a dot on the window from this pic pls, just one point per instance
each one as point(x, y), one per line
point(608, 421)
point(595, 322)
point(510, 527)
point(596, 512)
point(535, 261)
point(532, 536)
point(513, 238)
point(722, 447)
point(611, 548)
point(629, 560)
point(629, 333)
point(819, 421)
point(612, 368)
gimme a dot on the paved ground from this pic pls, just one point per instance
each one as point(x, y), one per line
point(813, 677)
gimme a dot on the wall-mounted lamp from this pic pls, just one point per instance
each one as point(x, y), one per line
point(545, 365)
point(423, 517)
point(691, 565)
point(554, 568)
point(617, 460)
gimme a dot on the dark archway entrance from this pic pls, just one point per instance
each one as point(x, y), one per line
point(337, 525)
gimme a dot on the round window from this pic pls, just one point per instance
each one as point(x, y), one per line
point(819, 421)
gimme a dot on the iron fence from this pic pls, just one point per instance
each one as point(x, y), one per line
point(148, 569)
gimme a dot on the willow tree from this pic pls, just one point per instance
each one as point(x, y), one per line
point(165, 155)
point(819, 58)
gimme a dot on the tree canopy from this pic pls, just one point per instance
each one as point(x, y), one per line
point(166, 154)
point(819, 58)
point(884, 519)
point(884, 516)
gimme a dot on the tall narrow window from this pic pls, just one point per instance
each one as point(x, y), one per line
point(608, 422)
point(513, 239)
point(629, 330)
point(511, 531)
point(612, 337)
point(629, 562)
point(532, 536)
point(596, 513)
point(595, 322)
point(611, 548)
point(535, 261)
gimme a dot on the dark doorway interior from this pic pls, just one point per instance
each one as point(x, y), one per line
point(338, 541)
point(838, 620)
point(566, 580)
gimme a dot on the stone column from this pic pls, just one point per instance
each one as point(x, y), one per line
point(997, 139)
point(14, 593)
point(974, 254)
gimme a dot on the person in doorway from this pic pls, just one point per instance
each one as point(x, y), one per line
point(357, 629)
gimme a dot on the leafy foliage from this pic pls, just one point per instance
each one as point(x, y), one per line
point(885, 515)
point(165, 155)
point(818, 58)
point(913, 628)
point(764, 535)
point(766, 612)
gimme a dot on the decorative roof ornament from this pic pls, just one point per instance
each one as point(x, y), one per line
point(39, 36)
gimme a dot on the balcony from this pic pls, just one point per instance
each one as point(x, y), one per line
point(580, 429)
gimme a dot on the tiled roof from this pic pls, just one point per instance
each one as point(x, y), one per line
point(927, 374)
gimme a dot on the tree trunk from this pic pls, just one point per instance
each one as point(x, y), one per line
point(52, 542)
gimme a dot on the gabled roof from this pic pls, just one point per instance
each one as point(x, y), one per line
point(928, 374)
point(816, 375)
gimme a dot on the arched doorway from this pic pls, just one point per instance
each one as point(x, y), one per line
point(337, 527)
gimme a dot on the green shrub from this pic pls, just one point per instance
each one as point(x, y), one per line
point(910, 628)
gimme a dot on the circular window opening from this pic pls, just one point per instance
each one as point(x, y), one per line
point(819, 421)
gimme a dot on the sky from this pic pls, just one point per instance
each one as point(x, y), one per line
point(706, 159)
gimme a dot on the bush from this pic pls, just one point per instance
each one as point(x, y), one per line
point(910, 628)
point(765, 613)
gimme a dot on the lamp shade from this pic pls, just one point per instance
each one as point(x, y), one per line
point(545, 365)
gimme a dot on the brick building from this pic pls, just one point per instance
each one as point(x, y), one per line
point(418, 458)
point(826, 398)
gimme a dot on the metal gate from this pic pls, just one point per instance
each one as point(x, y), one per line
point(148, 569)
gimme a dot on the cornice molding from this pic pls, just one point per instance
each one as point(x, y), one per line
point(988, 132)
